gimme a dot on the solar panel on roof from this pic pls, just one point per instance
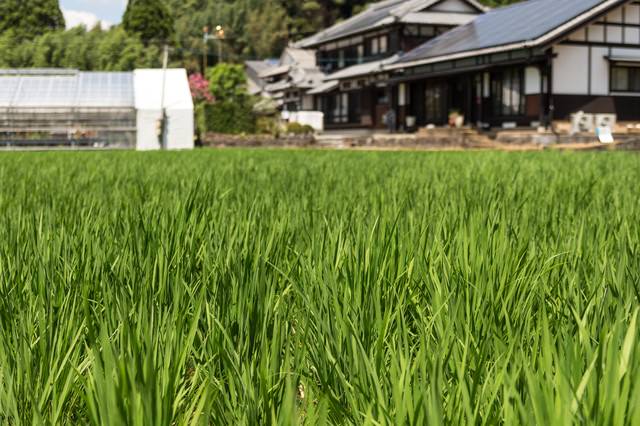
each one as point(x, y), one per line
point(517, 23)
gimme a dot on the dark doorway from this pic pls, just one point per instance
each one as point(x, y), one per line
point(381, 106)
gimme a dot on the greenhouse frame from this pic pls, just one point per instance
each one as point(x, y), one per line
point(62, 107)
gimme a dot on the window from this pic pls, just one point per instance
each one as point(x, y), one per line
point(383, 44)
point(411, 31)
point(381, 97)
point(360, 53)
point(378, 45)
point(427, 31)
point(625, 79)
point(375, 46)
point(341, 59)
point(434, 98)
point(354, 107)
point(402, 95)
point(344, 107)
point(507, 92)
point(339, 108)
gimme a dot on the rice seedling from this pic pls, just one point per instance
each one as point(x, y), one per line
point(274, 287)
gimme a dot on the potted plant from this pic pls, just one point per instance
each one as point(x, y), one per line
point(456, 119)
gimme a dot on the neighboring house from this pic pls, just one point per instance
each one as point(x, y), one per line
point(253, 69)
point(526, 64)
point(288, 81)
point(301, 81)
point(354, 93)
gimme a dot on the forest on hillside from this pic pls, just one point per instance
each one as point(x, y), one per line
point(32, 32)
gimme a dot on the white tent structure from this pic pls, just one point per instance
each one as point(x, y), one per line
point(62, 107)
point(150, 100)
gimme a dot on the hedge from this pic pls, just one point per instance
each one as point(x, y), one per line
point(228, 117)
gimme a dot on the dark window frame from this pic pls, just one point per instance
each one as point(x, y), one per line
point(435, 98)
point(515, 78)
point(633, 78)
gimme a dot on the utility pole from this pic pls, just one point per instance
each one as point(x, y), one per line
point(205, 38)
point(162, 127)
point(219, 36)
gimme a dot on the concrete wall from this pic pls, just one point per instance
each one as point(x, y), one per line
point(314, 119)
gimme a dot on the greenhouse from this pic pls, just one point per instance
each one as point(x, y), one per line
point(53, 107)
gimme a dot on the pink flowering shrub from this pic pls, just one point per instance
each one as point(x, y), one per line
point(200, 88)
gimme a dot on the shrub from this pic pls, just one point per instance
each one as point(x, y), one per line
point(228, 82)
point(268, 125)
point(299, 129)
point(229, 117)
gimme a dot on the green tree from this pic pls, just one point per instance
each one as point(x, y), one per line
point(30, 18)
point(267, 30)
point(228, 83)
point(148, 19)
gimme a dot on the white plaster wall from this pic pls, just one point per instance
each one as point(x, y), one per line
point(596, 33)
point(570, 70)
point(632, 13)
point(632, 16)
point(632, 35)
point(614, 34)
point(531, 81)
point(599, 71)
point(615, 16)
point(579, 35)
point(307, 102)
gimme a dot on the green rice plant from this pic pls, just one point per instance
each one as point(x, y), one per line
point(313, 287)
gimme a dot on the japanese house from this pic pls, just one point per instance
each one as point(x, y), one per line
point(525, 65)
point(354, 93)
point(287, 81)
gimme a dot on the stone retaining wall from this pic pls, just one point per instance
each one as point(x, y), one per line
point(437, 139)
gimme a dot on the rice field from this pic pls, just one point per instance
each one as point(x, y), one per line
point(297, 287)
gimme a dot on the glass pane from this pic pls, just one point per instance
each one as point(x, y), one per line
point(515, 92)
point(634, 79)
point(506, 93)
point(411, 30)
point(374, 46)
point(427, 31)
point(619, 79)
point(383, 44)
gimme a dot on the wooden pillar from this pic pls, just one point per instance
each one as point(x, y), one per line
point(470, 101)
point(480, 102)
point(550, 104)
point(542, 101)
